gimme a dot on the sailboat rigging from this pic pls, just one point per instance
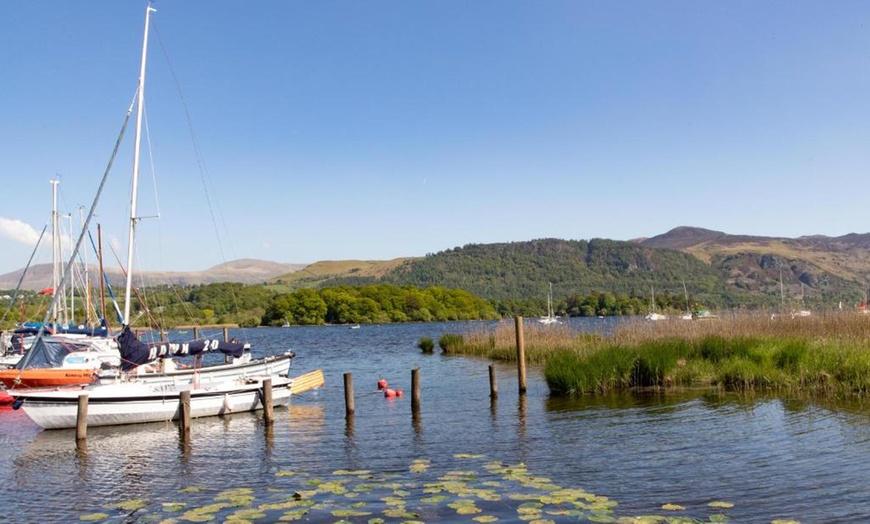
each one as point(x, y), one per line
point(551, 317)
point(125, 398)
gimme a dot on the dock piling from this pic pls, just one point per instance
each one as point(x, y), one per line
point(493, 383)
point(348, 395)
point(184, 405)
point(415, 390)
point(268, 412)
point(521, 356)
point(82, 418)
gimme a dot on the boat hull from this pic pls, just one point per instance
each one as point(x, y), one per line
point(62, 377)
point(46, 377)
point(271, 365)
point(138, 403)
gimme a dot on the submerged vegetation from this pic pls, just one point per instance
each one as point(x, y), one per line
point(825, 355)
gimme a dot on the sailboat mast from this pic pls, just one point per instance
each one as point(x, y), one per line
point(140, 106)
point(55, 241)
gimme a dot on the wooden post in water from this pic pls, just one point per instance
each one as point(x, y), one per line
point(195, 332)
point(82, 418)
point(185, 411)
point(415, 390)
point(493, 382)
point(521, 356)
point(268, 413)
point(348, 395)
point(226, 339)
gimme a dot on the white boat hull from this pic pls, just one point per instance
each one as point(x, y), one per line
point(137, 403)
point(271, 365)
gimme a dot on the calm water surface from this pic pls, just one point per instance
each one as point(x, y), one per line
point(515, 459)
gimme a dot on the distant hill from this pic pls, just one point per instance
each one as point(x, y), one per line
point(715, 268)
point(822, 269)
point(245, 271)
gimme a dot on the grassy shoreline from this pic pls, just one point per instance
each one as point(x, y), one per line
point(823, 355)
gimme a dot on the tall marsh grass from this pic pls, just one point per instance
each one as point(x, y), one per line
point(827, 354)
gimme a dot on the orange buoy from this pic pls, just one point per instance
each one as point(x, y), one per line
point(389, 393)
point(382, 384)
point(399, 393)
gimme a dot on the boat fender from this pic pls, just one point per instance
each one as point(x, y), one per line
point(228, 408)
point(389, 393)
point(382, 384)
point(17, 404)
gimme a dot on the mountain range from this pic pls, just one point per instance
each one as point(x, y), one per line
point(246, 271)
point(713, 267)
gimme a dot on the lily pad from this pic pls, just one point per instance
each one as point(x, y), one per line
point(720, 504)
point(673, 507)
point(93, 517)
point(128, 505)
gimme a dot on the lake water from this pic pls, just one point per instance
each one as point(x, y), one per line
point(517, 459)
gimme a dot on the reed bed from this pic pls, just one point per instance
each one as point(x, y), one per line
point(824, 355)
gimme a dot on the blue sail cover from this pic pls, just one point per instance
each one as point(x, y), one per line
point(134, 352)
point(32, 328)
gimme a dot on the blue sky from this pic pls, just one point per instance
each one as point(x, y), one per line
point(373, 130)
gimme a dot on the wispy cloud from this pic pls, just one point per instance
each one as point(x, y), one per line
point(18, 231)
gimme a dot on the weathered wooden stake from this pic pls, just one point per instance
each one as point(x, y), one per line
point(493, 382)
point(226, 334)
point(521, 356)
point(185, 410)
point(348, 394)
point(195, 332)
point(268, 413)
point(415, 390)
point(82, 418)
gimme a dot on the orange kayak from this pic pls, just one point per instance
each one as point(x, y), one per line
point(47, 377)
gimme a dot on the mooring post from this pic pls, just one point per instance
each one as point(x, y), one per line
point(82, 418)
point(521, 356)
point(268, 413)
point(184, 404)
point(226, 334)
point(493, 382)
point(195, 332)
point(348, 394)
point(415, 390)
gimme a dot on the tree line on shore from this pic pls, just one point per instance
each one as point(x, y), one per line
point(261, 305)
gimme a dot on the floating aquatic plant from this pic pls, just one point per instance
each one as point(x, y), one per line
point(173, 506)
point(482, 491)
point(93, 517)
point(128, 505)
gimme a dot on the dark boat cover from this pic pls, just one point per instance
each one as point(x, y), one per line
point(49, 353)
point(134, 352)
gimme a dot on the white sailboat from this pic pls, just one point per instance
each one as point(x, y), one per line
point(551, 317)
point(653, 315)
point(138, 398)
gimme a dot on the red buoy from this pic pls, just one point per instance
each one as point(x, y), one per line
point(399, 393)
point(382, 384)
point(389, 393)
